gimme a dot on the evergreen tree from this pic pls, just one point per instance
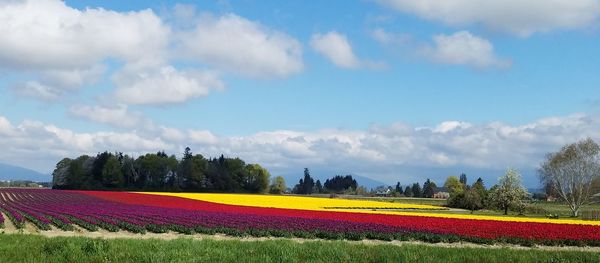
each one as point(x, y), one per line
point(399, 188)
point(428, 188)
point(318, 187)
point(340, 183)
point(463, 181)
point(112, 175)
point(479, 187)
point(306, 185)
point(416, 190)
point(408, 191)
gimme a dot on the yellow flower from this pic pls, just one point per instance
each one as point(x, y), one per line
point(355, 206)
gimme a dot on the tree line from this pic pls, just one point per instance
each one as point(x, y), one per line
point(336, 184)
point(161, 172)
point(571, 175)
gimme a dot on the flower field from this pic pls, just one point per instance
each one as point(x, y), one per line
point(140, 212)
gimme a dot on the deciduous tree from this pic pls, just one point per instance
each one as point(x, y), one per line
point(571, 171)
point(509, 191)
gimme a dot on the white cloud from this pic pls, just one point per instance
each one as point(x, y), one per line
point(37, 90)
point(39, 146)
point(517, 17)
point(335, 47)
point(202, 137)
point(236, 44)
point(172, 134)
point(163, 85)
point(47, 34)
point(381, 151)
point(449, 126)
point(72, 78)
point(6, 127)
point(55, 83)
point(118, 116)
point(463, 48)
point(63, 48)
point(386, 38)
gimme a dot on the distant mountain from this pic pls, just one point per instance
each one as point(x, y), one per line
point(292, 179)
point(11, 172)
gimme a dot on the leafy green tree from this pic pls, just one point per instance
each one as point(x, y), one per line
point(60, 175)
point(257, 179)
point(479, 187)
point(509, 191)
point(79, 175)
point(130, 173)
point(191, 172)
point(278, 185)
point(428, 188)
point(99, 162)
point(112, 174)
point(453, 185)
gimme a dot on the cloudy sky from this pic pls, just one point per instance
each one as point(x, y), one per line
point(389, 89)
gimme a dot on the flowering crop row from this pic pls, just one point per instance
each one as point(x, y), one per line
point(45, 207)
point(355, 206)
point(139, 213)
point(298, 202)
point(488, 229)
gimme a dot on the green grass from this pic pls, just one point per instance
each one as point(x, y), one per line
point(32, 248)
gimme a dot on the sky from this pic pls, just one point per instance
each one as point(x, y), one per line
point(394, 90)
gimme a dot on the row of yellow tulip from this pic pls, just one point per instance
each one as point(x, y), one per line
point(356, 206)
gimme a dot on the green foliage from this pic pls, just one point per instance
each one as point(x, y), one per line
point(278, 185)
point(474, 198)
point(339, 184)
point(416, 190)
point(257, 179)
point(470, 199)
point(305, 185)
point(32, 248)
point(408, 191)
point(398, 188)
point(112, 174)
point(160, 172)
point(428, 188)
point(61, 225)
point(509, 192)
point(453, 185)
point(83, 224)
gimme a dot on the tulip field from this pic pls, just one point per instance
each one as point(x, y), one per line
point(279, 216)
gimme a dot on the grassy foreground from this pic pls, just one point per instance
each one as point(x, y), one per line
point(33, 248)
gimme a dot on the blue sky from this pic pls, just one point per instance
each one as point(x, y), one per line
point(397, 86)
